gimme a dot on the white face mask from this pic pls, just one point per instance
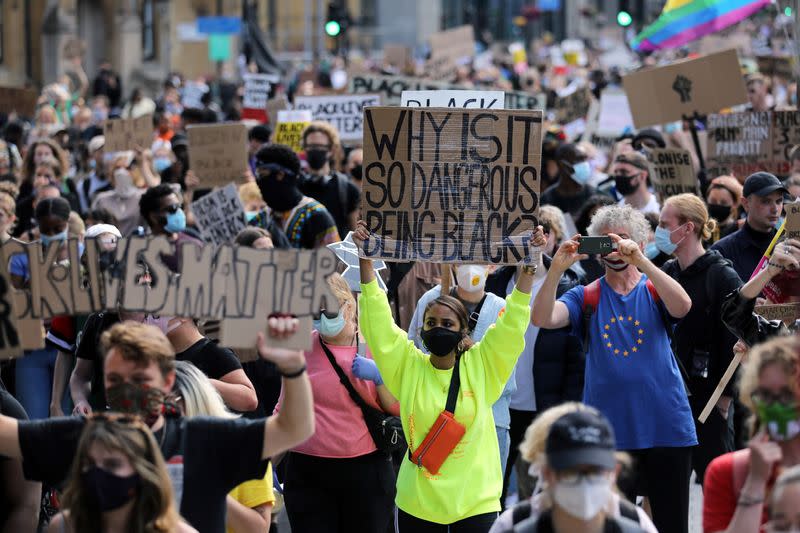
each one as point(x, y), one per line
point(472, 278)
point(585, 499)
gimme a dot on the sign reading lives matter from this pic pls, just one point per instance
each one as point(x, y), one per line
point(345, 112)
point(451, 185)
point(219, 215)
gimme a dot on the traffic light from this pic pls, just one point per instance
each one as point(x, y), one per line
point(332, 28)
point(337, 21)
point(624, 19)
point(787, 11)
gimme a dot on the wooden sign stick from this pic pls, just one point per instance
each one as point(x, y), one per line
point(737, 359)
point(447, 280)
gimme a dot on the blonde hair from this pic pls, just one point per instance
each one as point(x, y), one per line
point(554, 217)
point(692, 209)
point(75, 225)
point(782, 351)
point(7, 203)
point(154, 510)
point(249, 192)
point(198, 395)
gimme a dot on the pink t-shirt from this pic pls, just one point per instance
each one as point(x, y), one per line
point(340, 428)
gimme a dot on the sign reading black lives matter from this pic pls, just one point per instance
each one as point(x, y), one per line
point(345, 112)
point(451, 185)
point(219, 215)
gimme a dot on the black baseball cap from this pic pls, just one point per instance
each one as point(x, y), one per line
point(762, 184)
point(581, 438)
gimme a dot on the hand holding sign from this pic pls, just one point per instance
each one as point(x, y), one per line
point(786, 256)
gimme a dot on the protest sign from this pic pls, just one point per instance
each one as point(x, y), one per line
point(573, 106)
point(256, 93)
point(279, 103)
point(218, 152)
point(396, 55)
point(775, 65)
point(10, 335)
point(126, 133)
point(786, 313)
point(444, 185)
point(703, 85)
point(671, 172)
point(344, 112)
point(785, 134)
point(19, 100)
point(219, 215)
point(454, 98)
point(523, 100)
point(792, 227)
point(391, 87)
point(614, 116)
point(192, 93)
point(449, 49)
point(289, 130)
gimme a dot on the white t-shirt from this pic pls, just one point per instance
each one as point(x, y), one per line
point(652, 206)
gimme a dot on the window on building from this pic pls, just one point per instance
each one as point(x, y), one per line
point(148, 30)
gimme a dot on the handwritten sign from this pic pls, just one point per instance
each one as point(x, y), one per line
point(126, 133)
point(256, 94)
point(344, 112)
point(574, 106)
point(219, 215)
point(218, 152)
point(460, 99)
point(291, 124)
point(787, 313)
point(391, 87)
point(704, 85)
point(672, 172)
point(449, 186)
point(449, 49)
point(792, 223)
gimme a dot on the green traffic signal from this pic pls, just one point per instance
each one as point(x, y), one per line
point(624, 19)
point(332, 28)
point(787, 11)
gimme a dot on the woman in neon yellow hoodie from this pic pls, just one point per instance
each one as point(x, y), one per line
point(465, 494)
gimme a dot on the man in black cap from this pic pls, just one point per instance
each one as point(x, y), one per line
point(257, 138)
point(648, 138)
point(580, 473)
point(630, 172)
point(762, 200)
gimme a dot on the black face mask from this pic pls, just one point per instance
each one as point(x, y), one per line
point(280, 195)
point(316, 158)
point(440, 341)
point(625, 185)
point(356, 172)
point(720, 213)
point(108, 491)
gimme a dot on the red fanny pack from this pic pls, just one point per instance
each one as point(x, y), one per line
point(445, 433)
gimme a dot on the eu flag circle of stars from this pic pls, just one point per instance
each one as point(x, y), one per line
point(622, 322)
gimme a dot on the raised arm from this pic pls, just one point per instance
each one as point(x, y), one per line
point(547, 312)
point(786, 256)
point(672, 294)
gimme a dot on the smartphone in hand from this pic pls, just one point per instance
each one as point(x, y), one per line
point(596, 245)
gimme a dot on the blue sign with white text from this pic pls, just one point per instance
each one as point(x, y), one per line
point(219, 25)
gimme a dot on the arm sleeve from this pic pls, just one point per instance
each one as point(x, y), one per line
point(48, 447)
point(218, 361)
point(322, 229)
point(503, 343)
point(18, 265)
point(739, 317)
point(86, 347)
point(729, 281)
point(719, 501)
point(388, 344)
point(213, 438)
point(573, 299)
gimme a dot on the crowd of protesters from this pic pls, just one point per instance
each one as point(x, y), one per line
point(573, 385)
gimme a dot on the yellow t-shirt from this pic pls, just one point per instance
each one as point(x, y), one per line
point(470, 481)
point(254, 492)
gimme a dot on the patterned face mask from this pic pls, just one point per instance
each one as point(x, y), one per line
point(141, 400)
point(780, 419)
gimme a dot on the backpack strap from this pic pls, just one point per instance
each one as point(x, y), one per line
point(474, 316)
point(628, 510)
point(521, 511)
point(741, 463)
point(591, 299)
point(653, 291)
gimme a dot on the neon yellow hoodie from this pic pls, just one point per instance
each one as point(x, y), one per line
point(470, 481)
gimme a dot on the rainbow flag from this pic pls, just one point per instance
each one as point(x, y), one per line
point(682, 21)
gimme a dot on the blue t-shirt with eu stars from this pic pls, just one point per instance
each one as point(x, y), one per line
point(631, 374)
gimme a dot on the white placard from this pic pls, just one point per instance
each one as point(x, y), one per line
point(345, 112)
point(294, 115)
point(256, 90)
point(453, 98)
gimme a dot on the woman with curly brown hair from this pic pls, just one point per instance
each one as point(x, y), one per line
point(119, 482)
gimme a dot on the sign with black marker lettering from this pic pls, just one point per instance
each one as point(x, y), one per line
point(672, 172)
point(453, 98)
point(218, 152)
point(345, 112)
point(451, 186)
point(289, 130)
point(219, 215)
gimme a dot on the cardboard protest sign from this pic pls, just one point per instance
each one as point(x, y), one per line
point(10, 336)
point(672, 172)
point(256, 94)
point(344, 112)
point(459, 99)
point(218, 152)
point(289, 130)
point(792, 223)
point(279, 103)
point(704, 85)
point(775, 65)
point(449, 186)
point(19, 100)
point(573, 106)
point(449, 49)
point(397, 55)
point(219, 215)
point(391, 87)
point(126, 133)
point(786, 313)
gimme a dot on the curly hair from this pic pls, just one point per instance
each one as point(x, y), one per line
point(620, 216)
point(149, 202)
point(280, 154)
point(781, 351)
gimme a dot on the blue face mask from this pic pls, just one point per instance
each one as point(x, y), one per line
point(58, 237)
point(330, 327)
point(651, 251)
point(250, 215)
point(176, 222)
point(161, 164)
point(664, 242)
point(92, 164)
point(581, 172)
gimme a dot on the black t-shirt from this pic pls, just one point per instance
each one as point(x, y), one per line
point(209, 357)
point(339, 195)
point(8, 407)
point(88, 347)
point(206, 458)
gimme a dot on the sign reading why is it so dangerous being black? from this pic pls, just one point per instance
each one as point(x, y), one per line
point(451, 185)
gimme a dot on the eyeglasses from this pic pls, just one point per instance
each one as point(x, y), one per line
point(172, 209)
point(785, 396)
